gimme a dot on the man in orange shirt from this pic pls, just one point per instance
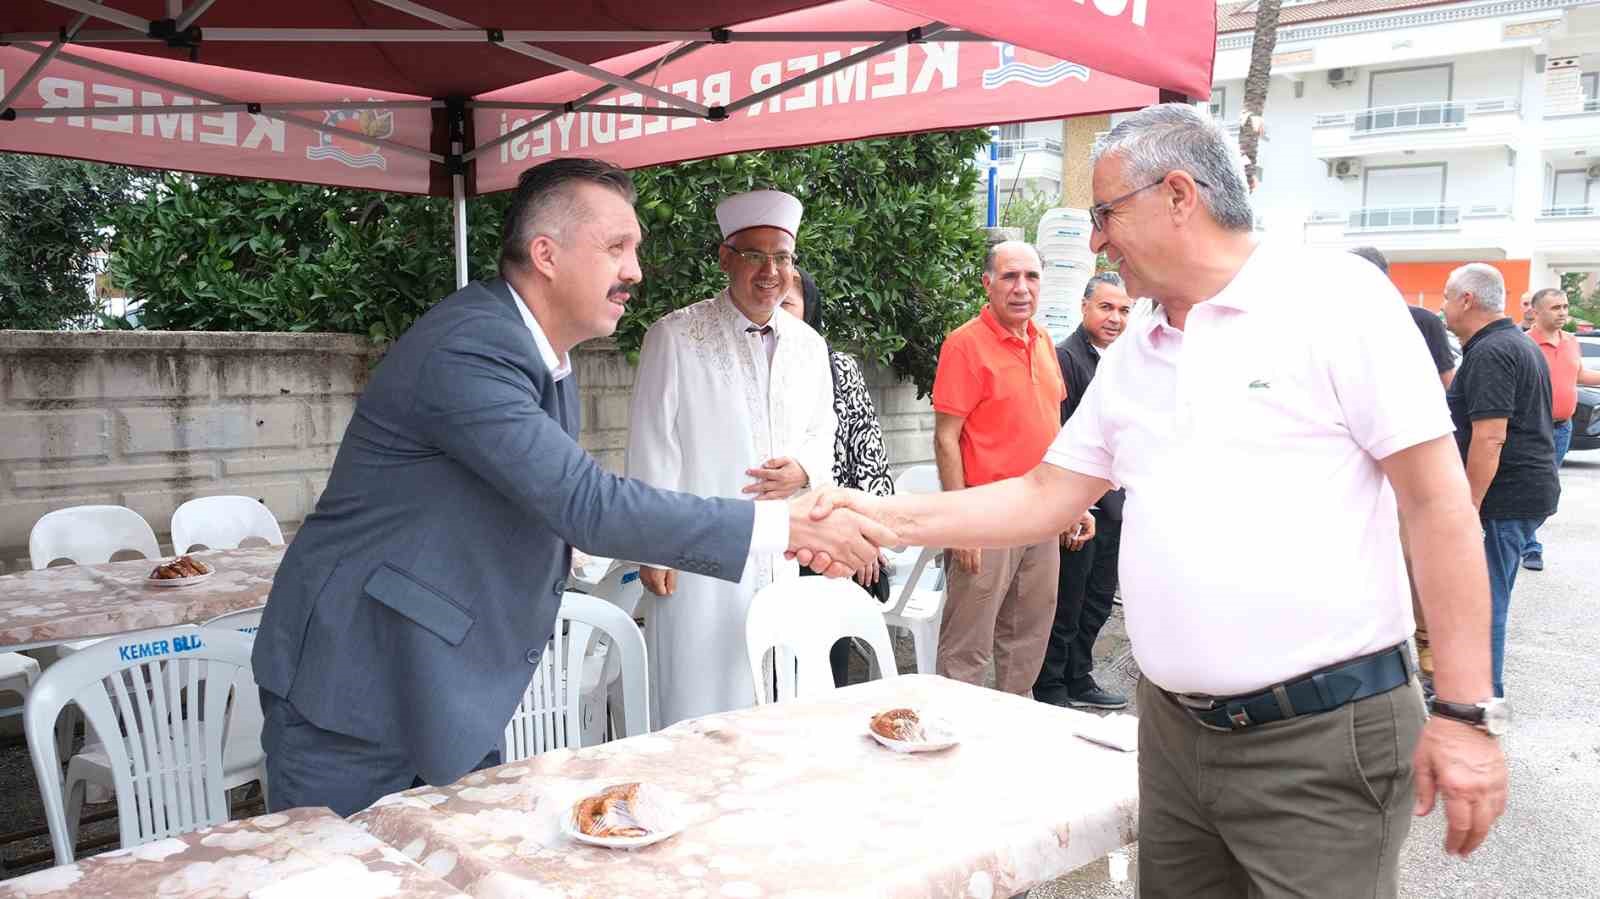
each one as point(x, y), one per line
point(1566, 373)
point(996, 401)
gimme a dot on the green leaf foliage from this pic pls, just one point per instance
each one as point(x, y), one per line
point(890, 234)
point(49, 237)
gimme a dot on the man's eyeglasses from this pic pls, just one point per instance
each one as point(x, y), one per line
point(1097, 212)
point(759, 259)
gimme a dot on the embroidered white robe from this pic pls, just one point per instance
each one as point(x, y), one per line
point(700, 418)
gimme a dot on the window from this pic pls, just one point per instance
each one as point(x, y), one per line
point(1403, 196)
point(1570, 188)
point(1411, 98)
point(1591, 85)
point(1219, 103)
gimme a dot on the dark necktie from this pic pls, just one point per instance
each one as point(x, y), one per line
point(763, 331)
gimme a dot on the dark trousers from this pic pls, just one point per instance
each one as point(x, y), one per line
point(1086, 586)
point(309, 766)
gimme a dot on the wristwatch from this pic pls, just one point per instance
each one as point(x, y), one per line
point(1492, 716)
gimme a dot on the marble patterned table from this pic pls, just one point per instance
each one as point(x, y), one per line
point(795, 800)
point(299, 854)
point(78, 602)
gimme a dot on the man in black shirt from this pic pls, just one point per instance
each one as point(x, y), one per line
point(1500, 401)
point(1087, 582)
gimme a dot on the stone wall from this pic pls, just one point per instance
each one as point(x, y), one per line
point(151, 419)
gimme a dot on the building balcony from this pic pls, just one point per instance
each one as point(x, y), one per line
point(1568, 232)
point(1443, 231)
point(1443, 125)
point(1576, 130)
point(1024, 160)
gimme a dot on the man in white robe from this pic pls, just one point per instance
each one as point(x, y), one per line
point(733, 398)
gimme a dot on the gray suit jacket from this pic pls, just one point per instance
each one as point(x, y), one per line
point(414, 603)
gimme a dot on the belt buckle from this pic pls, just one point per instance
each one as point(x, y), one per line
point(1238, 717)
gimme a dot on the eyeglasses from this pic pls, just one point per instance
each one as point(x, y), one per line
point(1097, 212)
point(759, 259)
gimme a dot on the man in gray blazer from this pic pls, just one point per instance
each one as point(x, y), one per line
point(412, 607)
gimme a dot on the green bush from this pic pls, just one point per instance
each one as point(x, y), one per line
point(890, 233)
point(49, 235)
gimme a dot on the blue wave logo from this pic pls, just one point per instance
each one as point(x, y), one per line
point(352, 151)
point(1030, 68)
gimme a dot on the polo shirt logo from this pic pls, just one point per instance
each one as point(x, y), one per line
point(1260, 384)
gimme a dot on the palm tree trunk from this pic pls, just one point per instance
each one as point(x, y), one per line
point(1251, 124)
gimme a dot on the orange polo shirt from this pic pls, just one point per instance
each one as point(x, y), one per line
point(1008, 389)
point(1565, 363)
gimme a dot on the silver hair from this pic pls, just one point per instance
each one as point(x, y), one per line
point(1484, 282)
point(995, 248)
point(1170, 137)
point(1112, 278)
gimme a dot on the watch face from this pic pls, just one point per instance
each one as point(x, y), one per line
point(1496, 717)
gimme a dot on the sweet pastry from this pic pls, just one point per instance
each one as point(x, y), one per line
point(902, 725)
point(608, 813)
point(182, 566)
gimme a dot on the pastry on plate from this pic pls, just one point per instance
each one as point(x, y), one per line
point(181, 567)
point(902, 725)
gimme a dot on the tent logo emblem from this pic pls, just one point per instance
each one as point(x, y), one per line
point(1030, 68)
point(351, 150)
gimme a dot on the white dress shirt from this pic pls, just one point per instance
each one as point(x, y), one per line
point(1259, 539)
point(770, 532)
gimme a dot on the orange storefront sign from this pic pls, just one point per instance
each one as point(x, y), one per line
point(1422, 283)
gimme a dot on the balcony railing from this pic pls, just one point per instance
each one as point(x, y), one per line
point(1591, 105)
point(1569, 212)
point(1403, 218)
point(1415, 116)
point(1007, 150)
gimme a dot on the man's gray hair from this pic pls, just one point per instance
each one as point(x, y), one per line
point(1484, 282)
point(1170, 137)
point(1112, 278)
point(996, 247)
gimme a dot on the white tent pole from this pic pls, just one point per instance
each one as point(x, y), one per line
point(572, 65)
point(672, 56)
point(174, 8)
point(194, 11)
point(105, 13)
point(121, 72)
point(50, 112)
point(458, 190)
point(471, 36)
point(39, 64)
point(592, 107)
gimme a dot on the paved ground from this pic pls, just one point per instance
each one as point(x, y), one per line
point(1548, 844)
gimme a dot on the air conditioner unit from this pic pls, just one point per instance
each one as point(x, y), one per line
point(1341, 76)
point(1593, 172)
point(1348, 167)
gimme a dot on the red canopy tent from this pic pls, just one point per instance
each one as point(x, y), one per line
point(458, 96)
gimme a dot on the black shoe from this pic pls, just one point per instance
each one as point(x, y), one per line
point(1533, 561)
point(1093, 697)
point(1051, 697)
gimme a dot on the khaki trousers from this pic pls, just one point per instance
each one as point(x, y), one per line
point(1004, 611)
point(1315, 806)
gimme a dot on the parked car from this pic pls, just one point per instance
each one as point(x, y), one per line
point(1586, 420)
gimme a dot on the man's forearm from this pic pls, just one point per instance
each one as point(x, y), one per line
point(1589, 377)
point(1483, 461)
point(952, 472)
point(1013, 512)
point(1451, 575)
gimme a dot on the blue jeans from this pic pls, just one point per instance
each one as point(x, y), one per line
point(1503, 540)
point(1563, 434)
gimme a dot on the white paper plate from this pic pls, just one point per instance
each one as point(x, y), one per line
point(569, 826)
point(940, 735)
point(178, 581)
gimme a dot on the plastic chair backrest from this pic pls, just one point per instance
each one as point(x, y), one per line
point(223, 522)
point(918, 479)
point(159, 701)
point(909, 588)
point(621, 587)
point(89, 535)
point(244, 731)
point(549, 716)
point(799, 620)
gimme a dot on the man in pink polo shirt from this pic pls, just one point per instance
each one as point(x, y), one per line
point(1282, 743)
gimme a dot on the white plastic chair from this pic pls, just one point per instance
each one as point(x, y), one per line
point(798, 621)
point(550, 715)
point(223, 522)
point(164, 697)
point(919, 609)
point(89, 535)
point(916, 479)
